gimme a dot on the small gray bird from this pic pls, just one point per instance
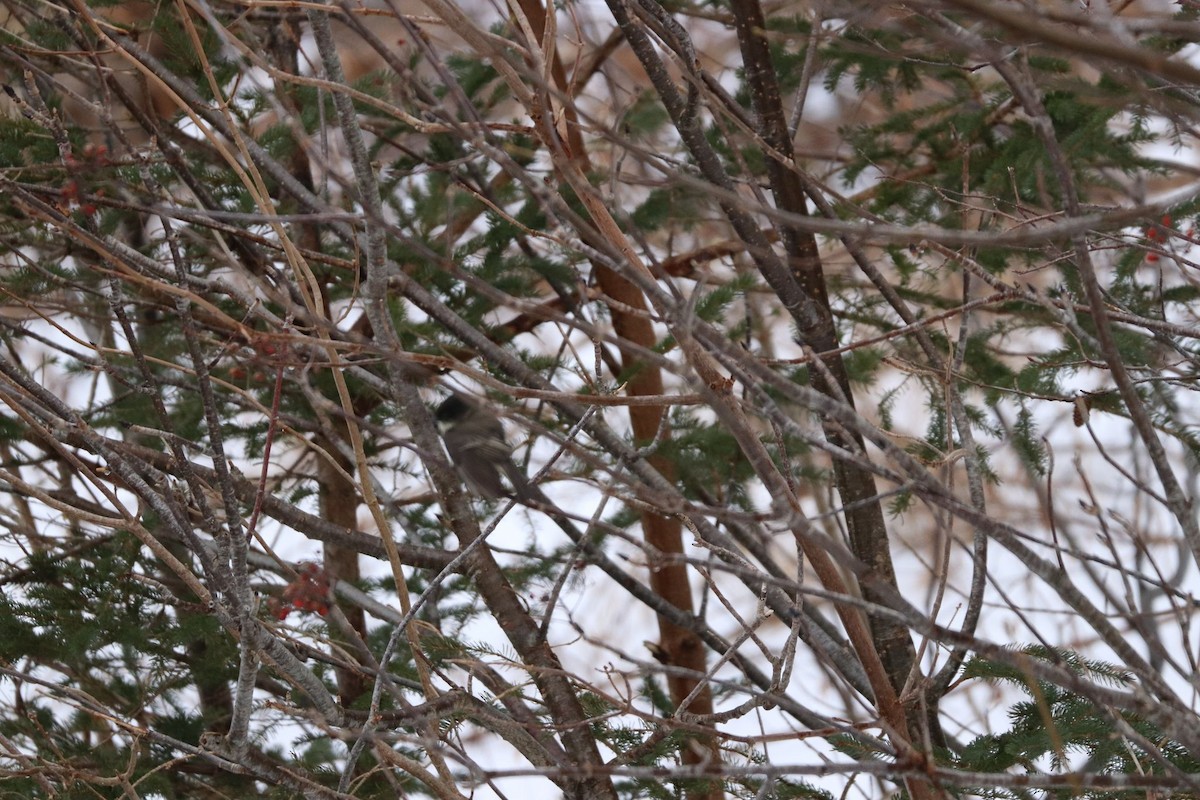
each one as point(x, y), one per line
point(479, 451)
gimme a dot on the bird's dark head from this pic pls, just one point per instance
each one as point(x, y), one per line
point(452, 409)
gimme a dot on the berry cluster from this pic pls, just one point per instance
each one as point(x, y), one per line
point(308, 592)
